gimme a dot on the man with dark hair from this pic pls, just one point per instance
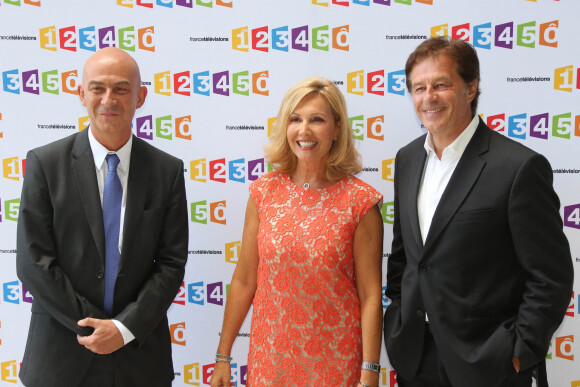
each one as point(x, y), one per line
point(480, 273)
point(102, 243)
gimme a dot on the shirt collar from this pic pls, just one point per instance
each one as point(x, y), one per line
point(100, 152)
point(458, 146)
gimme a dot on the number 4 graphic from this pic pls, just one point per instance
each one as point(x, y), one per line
point(572, 216)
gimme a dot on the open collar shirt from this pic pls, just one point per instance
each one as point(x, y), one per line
point(437, 172)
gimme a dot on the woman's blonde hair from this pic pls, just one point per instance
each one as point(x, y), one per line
point(343, 158)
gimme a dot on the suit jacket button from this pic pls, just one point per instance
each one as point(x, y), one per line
point(420, 313)
point(422, 267)
point(100, 274)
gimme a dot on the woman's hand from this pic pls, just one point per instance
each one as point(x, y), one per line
point(221, 375)
point(369, 378)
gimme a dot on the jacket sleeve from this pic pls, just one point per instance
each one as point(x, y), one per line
point(397, 260)
point(544, 254)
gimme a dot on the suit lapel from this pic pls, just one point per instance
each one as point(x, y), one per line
point(83, 166)
point(136, 195)
point(412, 190)
point(464, 177)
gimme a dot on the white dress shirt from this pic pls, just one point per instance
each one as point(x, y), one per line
point(101, 169)
point(436, 174)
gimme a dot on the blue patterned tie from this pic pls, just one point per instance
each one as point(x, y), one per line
point(112, 197)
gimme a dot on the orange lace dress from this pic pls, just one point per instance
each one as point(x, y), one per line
point(306, 328)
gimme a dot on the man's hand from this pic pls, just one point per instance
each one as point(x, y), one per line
point(105, 339)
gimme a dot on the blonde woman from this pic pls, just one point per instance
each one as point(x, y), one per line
point(311, 255)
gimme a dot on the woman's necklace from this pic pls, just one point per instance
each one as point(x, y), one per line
point(319, 183)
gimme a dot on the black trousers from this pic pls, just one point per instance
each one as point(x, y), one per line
point(104, 372)
point(432, 373)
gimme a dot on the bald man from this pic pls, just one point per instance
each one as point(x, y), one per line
point(103, 255)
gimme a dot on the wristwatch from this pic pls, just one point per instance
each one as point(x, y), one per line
point(367, 365)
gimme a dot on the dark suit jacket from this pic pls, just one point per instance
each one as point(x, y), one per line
point(495, 274)
point(61, 260)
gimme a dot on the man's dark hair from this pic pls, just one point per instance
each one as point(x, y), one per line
point(459, 51)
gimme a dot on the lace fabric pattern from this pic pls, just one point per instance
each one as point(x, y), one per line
point(306, 327)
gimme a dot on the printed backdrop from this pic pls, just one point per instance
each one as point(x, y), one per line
point(217, 70)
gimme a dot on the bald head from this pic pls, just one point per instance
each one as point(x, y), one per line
point(111, 90)
point(113, 57)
